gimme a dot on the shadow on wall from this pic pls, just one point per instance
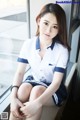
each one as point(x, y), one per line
point(76, 95)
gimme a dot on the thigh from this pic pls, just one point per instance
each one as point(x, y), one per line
point(39, 90)
point(50, 102)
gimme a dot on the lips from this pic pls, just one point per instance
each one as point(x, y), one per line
point(47, 35)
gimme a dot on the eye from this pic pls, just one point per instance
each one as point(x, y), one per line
point(55, 27)
point(45, 23)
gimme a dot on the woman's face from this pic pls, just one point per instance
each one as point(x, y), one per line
point(48, 26)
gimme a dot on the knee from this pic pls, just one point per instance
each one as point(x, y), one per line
point(24, 91)
point(36, 92)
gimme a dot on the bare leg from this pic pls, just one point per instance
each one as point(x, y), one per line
point(23, 95)
point(35, 93)
point(14, 118)
point(24, 92)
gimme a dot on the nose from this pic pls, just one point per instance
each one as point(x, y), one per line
point(48, 29)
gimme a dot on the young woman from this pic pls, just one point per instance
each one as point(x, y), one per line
point(47, 54)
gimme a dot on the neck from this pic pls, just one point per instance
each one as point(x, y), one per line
point(45, 43)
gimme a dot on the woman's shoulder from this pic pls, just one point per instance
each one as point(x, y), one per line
point(61, 47)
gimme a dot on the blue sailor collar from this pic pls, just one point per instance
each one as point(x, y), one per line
point(38, 44)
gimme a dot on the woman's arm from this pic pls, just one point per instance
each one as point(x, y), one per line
point(15, 102)
point(51, 89)
point(18, 77)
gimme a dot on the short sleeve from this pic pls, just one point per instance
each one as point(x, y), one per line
point(62, 61)
point(23, 56)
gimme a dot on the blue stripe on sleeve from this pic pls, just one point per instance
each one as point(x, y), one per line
point(22, 60)
point(59, 69)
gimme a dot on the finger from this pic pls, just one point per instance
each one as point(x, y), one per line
point(22, 111)
point(21, 104)
point(22, 108)
point(18, 114)
point(14, 114)
point(24, 104)
point(28, 116)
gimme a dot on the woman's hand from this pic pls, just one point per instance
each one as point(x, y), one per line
point(15, 108)
point(30, 108)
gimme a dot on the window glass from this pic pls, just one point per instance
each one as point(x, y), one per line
point(76, 9)
point(13, 32)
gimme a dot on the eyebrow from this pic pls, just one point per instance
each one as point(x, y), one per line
point(53, 23)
